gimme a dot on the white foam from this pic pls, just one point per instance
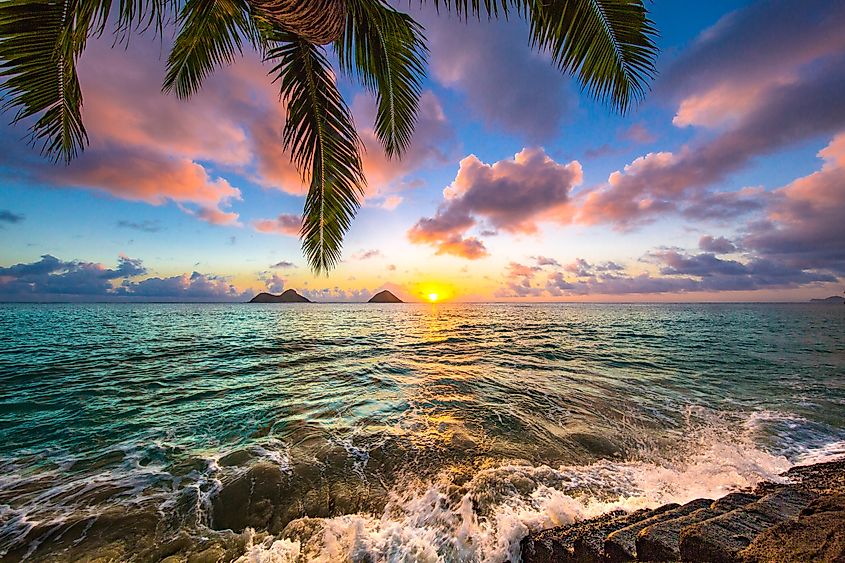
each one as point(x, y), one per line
point(501, 505)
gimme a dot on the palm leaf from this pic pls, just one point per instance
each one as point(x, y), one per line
point(387, 51)
point(39, 44)
point(321, 138)
point(210, 35)
point(608, 44)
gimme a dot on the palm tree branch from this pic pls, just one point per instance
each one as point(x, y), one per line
point(608, 44)
point(320, 136)
point(386, 50)
point(39, 44)
point(210, 35)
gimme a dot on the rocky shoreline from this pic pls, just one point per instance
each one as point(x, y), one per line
point(800, 520)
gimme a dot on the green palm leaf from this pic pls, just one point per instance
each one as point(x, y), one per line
point(387, 51)
point(324, 146)
point(608, 44)
point(39, 43)
point(210, 35)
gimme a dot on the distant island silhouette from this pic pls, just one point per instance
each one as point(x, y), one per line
point(288, 296)
point(291, 296)
point(384, 297)
point(832, 300)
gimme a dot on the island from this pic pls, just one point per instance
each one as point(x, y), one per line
point(288, 296)
point(384, 297)
point(832, 300)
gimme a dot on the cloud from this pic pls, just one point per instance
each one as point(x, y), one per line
point(719, 245)
point(639, 133)
point(391, 202)
point(510, 195)
point(49, 275)
point(217, 217)
point(51, 279)
point(275, 283)
point(337, 295)
point(367, 254)
point(803, 227)
point(763, 79)
point(143, 226)
point(283, 265)
point(545, 261)
point(285, 224)
point(9, 217)
point(193, 287)
point(747, 54)
point(152, 147)
point(505, 83)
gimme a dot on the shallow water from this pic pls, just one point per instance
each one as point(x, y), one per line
point(415, 432)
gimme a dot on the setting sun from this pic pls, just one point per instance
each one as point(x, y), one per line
point(432, 297)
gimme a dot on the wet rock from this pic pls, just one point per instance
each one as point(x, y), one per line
point(817, 534)
point(721, 539)
point(821, 478)
point(621, 544)
point(108, 536)
point(556, 545)
point(250, 500)
point(237, 457)
point(659, 541)
point(589, 546)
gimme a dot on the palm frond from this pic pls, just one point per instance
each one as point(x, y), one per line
point(210, 35)
point(40, 41)
point(321, 138)
point(608, 44)
point(387, 51)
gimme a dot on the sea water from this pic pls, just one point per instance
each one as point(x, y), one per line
point(427, 432)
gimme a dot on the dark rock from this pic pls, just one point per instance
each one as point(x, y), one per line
point(817, 534)
point(288, 296)
point(821, 478)
point(721, 539)
point(384, 297)
point(621, 544)
point(589, 544)
point(659, 542)
point(250, 500)
point(556, 545)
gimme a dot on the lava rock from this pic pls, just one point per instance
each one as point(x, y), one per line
point(621, 544)
point(659, 542)
point(817, 534)
point(721, 539)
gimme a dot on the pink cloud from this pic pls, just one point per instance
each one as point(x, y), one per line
point(736, 63)
point(511, 195)
point(804, 221)
point(285, 224)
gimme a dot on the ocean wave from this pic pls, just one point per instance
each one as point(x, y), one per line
point(484, 518)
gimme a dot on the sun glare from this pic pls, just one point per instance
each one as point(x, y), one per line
point(432, 297)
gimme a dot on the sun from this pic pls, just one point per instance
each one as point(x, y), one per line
point(433, 297)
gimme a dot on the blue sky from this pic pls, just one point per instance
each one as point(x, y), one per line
point(738, 142)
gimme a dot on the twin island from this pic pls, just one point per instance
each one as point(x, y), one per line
point(291, 296)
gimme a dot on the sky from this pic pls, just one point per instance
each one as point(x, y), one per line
point(726, 184)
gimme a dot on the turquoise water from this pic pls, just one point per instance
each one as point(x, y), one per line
point(444, 431)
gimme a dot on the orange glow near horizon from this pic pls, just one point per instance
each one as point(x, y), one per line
point(434, 292)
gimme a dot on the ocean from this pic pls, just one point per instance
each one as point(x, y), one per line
point(408, 432)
